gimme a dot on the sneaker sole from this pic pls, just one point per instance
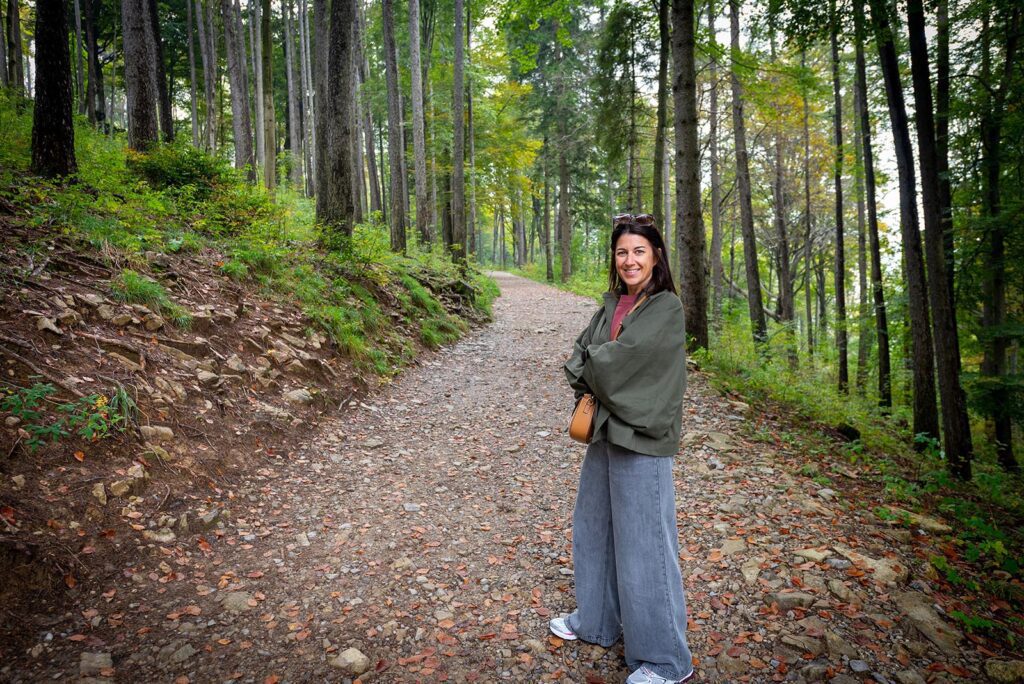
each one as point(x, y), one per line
point(565, 636)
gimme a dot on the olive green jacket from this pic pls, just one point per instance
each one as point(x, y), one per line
point(639, 379)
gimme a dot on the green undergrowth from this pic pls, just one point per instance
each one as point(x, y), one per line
point(374, 304)
point(986, 514)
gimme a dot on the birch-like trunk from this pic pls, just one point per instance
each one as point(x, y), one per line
point(396, 139)
point(240, 122)
point(716, 190)
point(458, 144)
point(193, 106)
point(423, 204)
point(256, 48)
point(294, 106)
point(308, 118)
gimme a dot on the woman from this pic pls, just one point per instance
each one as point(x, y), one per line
point(625, 548)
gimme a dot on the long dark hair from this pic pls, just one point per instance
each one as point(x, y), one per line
point(661, 274)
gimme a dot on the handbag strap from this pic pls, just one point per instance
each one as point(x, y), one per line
point(615, 333)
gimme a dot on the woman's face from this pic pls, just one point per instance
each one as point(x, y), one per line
point(634, 260)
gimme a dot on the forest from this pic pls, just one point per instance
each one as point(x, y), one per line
point(840, 185)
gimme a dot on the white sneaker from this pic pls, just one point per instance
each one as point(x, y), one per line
point(644, 676)
point(559, 626)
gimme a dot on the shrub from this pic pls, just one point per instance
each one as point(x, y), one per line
point(180, 166)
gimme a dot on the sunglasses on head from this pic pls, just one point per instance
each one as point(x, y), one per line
point(639, 219)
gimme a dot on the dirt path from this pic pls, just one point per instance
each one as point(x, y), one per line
point(429, 529)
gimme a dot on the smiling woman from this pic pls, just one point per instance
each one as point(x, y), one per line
point(632, 359)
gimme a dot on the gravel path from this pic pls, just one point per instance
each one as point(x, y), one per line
point(425, 535)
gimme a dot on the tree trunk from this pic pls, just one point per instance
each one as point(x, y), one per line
point(863, 317)
point(754, 302)
point(79, 77)
point(94, 92)
point(294, 101)
point(269, 124)
point(15, 53)
point(716, 190)
point(240, 123)
point(140, 79)
point(308, 118)
point(423, 204)
point(994, 364)
point(842, 339)
point(549, 270)
point(956, 426)
point(396, 138)
point(193, 106)
point(53, 132)
point(660, 217)
point(4, 76)
point(689, 223)
point(458, 146)
point(942, 135)
point(878, 293)
point(925, 414)
point(471, 219)
point(209, 57)
point(807, 215)
point(160, 72)
point(371, 155)
point(335, 205)
point(256, 48)
point(786, 305)
point(564, 229)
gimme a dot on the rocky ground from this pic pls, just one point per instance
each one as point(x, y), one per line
point(423, 534)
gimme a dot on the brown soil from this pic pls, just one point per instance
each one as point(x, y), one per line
point(428, 526)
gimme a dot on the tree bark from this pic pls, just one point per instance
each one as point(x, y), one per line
point(396, 138)
point(660, 217)
point(863, 317)
point(786, 305)
point(807, 215)
point(140, 79)
point(716, 190)
point(926, 419)
point(471, 218)
point(15, 52)
point(256, 48)
point(160, 72)
point(877, 291)
point(94, 92)
point(193, 106)
point(942, 135)
point(335, 205)
point(240, 122)
point(755, 304)
point(423, 205)
point(53, 132)
point(549, 270)
point(993, 363)
point(269, 124)
point(308, 118)
point(956, 426)
point(458, 145)
point(371, 155)
point(79, 76)
point(564, 228)
point(294, 101)
point(4, 76)
point(209, 73)
point(842, 339)
point(689, 222)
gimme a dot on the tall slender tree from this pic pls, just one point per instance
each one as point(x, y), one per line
point(156, 48)
point(754, 301)
point(396, 137)
point(53, 133)
point(660, 217)
point(79, 76)
point(240, 123)
point(713, 163)
point(779, 202)
point(4, 76)
point(193, 105)
point(294, 101)
point(209, 57)
point(956, 427)
point(842, 339)
point(423, 219)
point(458, 143)
point(15, 53)
point(94, 94)
point(926, 420)
point(267, 76)
point(689, 222)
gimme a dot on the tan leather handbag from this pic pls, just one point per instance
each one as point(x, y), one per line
point(581, 425)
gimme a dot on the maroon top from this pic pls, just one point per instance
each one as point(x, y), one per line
point(626, 302)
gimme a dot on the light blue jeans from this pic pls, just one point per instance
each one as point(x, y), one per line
point(625, 551)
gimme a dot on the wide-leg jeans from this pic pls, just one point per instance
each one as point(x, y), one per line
point(626, 555)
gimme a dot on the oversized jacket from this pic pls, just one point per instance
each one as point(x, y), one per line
point(639, 379)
